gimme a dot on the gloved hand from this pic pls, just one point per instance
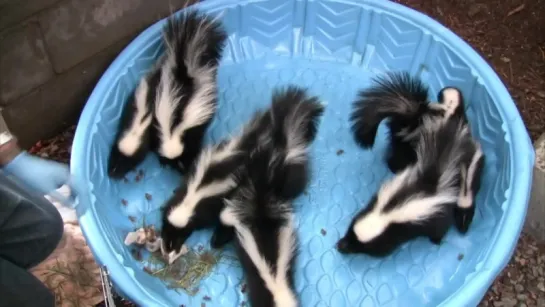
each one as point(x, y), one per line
point(42, 175)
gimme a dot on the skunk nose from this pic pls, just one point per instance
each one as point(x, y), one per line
point(342, 246)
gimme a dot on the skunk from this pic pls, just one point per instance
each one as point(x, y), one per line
point(135, 137)
point(260, 210)
point(419, 200)
point(186, 98)
point(404, 100)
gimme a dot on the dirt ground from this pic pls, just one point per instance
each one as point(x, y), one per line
point(510, 35)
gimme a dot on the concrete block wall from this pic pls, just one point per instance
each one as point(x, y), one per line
point(52, 53)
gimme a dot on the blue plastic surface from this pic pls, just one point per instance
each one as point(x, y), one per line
point(334, 48)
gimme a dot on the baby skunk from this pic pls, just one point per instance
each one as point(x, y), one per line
point(260, 211)
point(404, 100)
point(186, 98)
point(418, 201)
point(135, 135)
point(198, 203)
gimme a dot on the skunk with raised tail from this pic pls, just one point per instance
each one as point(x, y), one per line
point(186, 96)
point(403, 99)
point(418, 201)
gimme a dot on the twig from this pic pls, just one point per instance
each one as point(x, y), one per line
point(516, 10)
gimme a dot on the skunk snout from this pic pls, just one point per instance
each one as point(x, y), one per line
point(343, 246)
point(119, 165)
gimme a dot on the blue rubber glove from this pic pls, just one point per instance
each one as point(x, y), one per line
point(43, 175)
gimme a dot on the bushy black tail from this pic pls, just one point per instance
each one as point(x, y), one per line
point(195, 39)
point(397, 95)
point(295, 116)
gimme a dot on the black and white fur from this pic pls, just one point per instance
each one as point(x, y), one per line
point(198, 202)
point(261, 212)
point(266, 239)
point(403, 99)
point(135, 136)
point(419, 200)
point(186, 96)
point(452, 101)
point(471, 173)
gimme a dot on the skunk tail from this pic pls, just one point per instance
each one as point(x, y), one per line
point(398, 95)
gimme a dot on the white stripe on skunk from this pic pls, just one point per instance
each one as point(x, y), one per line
point(132, 138)
point(471, 172)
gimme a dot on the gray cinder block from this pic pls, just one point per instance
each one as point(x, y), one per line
point(535, 219)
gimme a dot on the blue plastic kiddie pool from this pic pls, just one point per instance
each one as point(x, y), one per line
point(333, 48)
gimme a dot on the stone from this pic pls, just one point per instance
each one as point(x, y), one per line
point(16, 11)
point(23, 62)
point(77, 29)
point(535, 218)
point(57, 104)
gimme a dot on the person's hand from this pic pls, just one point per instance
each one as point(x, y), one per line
point(42, 175)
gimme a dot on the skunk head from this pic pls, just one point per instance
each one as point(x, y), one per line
point(451, 100)
point(405, 207)
point(198, 203)
point(470, 185)
point(134, 137)
point(368, 234)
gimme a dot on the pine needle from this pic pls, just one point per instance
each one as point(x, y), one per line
point(186, 272)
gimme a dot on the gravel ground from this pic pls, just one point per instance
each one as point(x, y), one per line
point(509, 34)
